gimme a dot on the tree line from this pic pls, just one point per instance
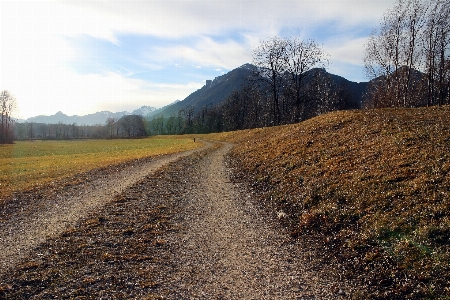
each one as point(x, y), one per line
point(253, 107)
point(130, 126)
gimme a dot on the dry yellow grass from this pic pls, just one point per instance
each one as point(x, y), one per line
point(375, 182)
point(29, 164)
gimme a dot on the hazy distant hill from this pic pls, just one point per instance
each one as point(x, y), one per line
point(144, 111)
point(90, 119)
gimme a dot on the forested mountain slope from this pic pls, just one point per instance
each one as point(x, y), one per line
point(216, 91)
point(212, 93)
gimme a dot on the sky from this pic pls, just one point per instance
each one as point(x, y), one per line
point(80, 57)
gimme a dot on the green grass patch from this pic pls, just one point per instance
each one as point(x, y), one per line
point(29, 164)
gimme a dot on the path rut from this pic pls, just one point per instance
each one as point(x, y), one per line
point(230, 250)
point(41, 219)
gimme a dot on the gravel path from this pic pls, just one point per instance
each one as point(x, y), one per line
point(41, 218)
point(183, 232)
point(229, 250)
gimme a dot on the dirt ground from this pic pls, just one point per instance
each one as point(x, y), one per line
point(183, 231)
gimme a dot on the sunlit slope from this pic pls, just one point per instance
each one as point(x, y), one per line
point(376, 180)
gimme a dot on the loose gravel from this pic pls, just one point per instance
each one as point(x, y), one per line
point(28, 220)
point(184, 231)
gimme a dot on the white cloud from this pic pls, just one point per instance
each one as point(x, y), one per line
point(206, 52)
point(180, 18)
point(35, 55)
point(64, 90)
point(346, 50)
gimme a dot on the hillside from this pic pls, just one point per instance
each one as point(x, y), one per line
point(371, 187)
point(213, 92)
point(218, 90)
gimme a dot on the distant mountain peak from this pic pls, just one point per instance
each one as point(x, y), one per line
point(89, 119)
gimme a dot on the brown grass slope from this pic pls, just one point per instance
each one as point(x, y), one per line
point(373, 186)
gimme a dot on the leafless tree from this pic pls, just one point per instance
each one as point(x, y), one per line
point(323, 94)
point(283, 65)
point(436, 45)
point(31, 130)
point(189, 119)
point(7, 106)
point(111, 124)
point(300, 57)
point(171, 124)
point(270, 59)
point(132, 126)
point(405, 57)
point(157, 125)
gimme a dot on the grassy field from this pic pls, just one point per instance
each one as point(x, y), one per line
point(373, 185)
point(28, 164)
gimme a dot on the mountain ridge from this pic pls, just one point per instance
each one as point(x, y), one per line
point(89, 119)
point(218, 90)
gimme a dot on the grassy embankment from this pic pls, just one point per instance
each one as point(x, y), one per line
point(373, 186)
point(29, 164)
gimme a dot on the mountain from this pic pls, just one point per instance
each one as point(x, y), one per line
point(144, 111)
point(90, 119)
point(355, 90)
point(213, 92)
point(217, 90)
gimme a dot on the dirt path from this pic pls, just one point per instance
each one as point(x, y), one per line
point(228, 250)
point(183, 232)
point(41, 219)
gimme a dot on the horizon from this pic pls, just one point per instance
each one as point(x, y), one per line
point(89, 113)
point(83, 57)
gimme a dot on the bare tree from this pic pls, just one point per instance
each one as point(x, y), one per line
point(157, 125)
point(436, 45)
point(283, 65)
point(384, 57)
point(270, 59)
point(132, 126)
point(301, 57)
point(111, 123)
point(7, 106)
point(189, 119)
point(31, 130)
point(405, 58)
point(171, 124)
